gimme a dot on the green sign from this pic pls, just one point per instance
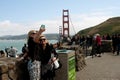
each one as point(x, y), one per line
point(71, 72)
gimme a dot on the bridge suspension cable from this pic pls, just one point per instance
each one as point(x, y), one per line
point(72, 25)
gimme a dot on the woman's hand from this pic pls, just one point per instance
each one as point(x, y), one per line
point(41, 29)
point(20, 59)
point(53, 59)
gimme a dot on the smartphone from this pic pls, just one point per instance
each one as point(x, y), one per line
point(42, 26)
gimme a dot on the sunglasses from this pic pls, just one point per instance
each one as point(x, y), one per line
point(42, 39)
point(33, 33)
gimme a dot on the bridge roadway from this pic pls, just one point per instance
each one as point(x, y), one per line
point(106, 67)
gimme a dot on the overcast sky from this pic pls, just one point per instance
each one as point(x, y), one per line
point(19, 16)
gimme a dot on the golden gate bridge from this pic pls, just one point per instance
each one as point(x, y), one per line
point(64, 30)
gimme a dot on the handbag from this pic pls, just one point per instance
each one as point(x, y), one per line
point(56, 64)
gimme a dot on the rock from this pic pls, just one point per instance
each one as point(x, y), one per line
point(3, 68)
point(7, 68)
point(4, 77)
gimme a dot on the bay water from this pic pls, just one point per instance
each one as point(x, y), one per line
point(18, 44)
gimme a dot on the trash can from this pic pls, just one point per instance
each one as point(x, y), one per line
point(67, 72)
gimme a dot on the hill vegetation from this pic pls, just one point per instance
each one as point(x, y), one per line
point(110, 26)
point(24, 36)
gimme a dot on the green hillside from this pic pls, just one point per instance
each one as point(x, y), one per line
point(110, 26)
point(53, 36)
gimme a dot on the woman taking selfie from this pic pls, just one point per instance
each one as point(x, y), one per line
point(33, 64)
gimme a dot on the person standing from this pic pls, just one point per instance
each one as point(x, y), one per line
point(94, 47)
point(24, 49)
point(118, 44)
point(33, 63)
point(7, 50)
point(48, 55)
point(98, 44)
point(13, 52)
point(114, 43)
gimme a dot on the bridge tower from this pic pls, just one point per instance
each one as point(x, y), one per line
point(60, 31)
point(66, 23)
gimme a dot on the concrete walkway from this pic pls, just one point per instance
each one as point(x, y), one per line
point(106, 67)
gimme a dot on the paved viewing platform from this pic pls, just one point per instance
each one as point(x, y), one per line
point(106, 67)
